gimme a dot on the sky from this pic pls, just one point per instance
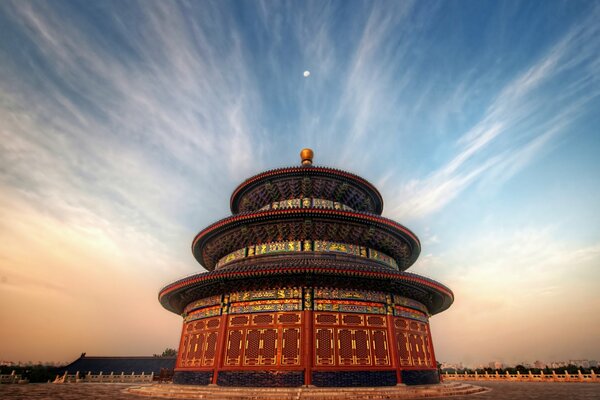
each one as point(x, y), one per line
point(125, 126)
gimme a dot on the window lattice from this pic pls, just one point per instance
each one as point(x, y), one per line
point(375, 321)
point(239, 320)
point(352, 319)
point(213, 323)
point(326, 319)
point(289, 318)
point(263, 319)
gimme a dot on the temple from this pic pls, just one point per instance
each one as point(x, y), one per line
point(306, 286)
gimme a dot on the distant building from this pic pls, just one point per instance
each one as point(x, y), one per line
point(580, 363)
point(127, 365)
point(539, 365)
point(496, 365)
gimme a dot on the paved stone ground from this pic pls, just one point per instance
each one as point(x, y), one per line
point(534, 390)
point(500, 390)
point(83, 391)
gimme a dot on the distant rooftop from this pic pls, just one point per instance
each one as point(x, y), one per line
point(106, 365)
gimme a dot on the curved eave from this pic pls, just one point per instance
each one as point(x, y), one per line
point(262, 216)
point(259, 179)
point(171, 295)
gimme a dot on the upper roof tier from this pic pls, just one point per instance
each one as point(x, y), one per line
point(306, 181)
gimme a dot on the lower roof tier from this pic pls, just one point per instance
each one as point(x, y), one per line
point(306, 272)
point(362, 229)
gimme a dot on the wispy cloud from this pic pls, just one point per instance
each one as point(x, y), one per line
point(518, 124)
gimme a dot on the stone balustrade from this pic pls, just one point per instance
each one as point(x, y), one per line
point(104, 378)
point(12, 378)
point(528, 377)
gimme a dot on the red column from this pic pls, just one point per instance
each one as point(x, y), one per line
point(431, 346)
point(393, 345)
point(308, 342)
point(221, 339)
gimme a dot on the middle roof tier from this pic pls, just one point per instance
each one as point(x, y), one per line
point(245, 230)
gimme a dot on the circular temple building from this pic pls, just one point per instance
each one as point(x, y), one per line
point(306, 286)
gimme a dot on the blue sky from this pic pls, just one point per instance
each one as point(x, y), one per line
point(125, 126)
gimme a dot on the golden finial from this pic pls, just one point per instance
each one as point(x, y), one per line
point(306, 155)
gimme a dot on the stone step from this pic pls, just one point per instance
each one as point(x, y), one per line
point(239, 393)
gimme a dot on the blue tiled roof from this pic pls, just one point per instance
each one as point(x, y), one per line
point(106, 365)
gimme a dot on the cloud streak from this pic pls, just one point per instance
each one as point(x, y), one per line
point(518, 124)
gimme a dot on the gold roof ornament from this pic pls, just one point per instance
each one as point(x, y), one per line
point(307, 156)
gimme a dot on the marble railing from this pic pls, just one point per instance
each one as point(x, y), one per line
point(528, 377)
point(104, 378)
point(12, 378)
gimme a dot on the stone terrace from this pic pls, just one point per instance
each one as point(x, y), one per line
point(500, 390)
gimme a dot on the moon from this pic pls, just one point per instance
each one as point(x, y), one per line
point(306, 74)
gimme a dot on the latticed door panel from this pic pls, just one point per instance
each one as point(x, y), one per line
point(252, 347)
point(380, 347)
point(198, 350)
point(233, 356)
point(193, 344)
point(268, 347)
point(362, 347)
point(210, 349)
point(345, 347)
point(429, 348)
point(425, 350)
point(353, 347)
point(416, 348)
point(290, 353)
point(324, 346)
point(403, 347)
point(183, 351)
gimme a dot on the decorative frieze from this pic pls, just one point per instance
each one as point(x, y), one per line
point(266, 306)
point(205, 302)
point(250, 295)
point(410, 303)
point(203, 313)
point(307, 245)
point(409, 313)
point(306, 203)
point(277, 247)
point(349, 306)
point(349, 294)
